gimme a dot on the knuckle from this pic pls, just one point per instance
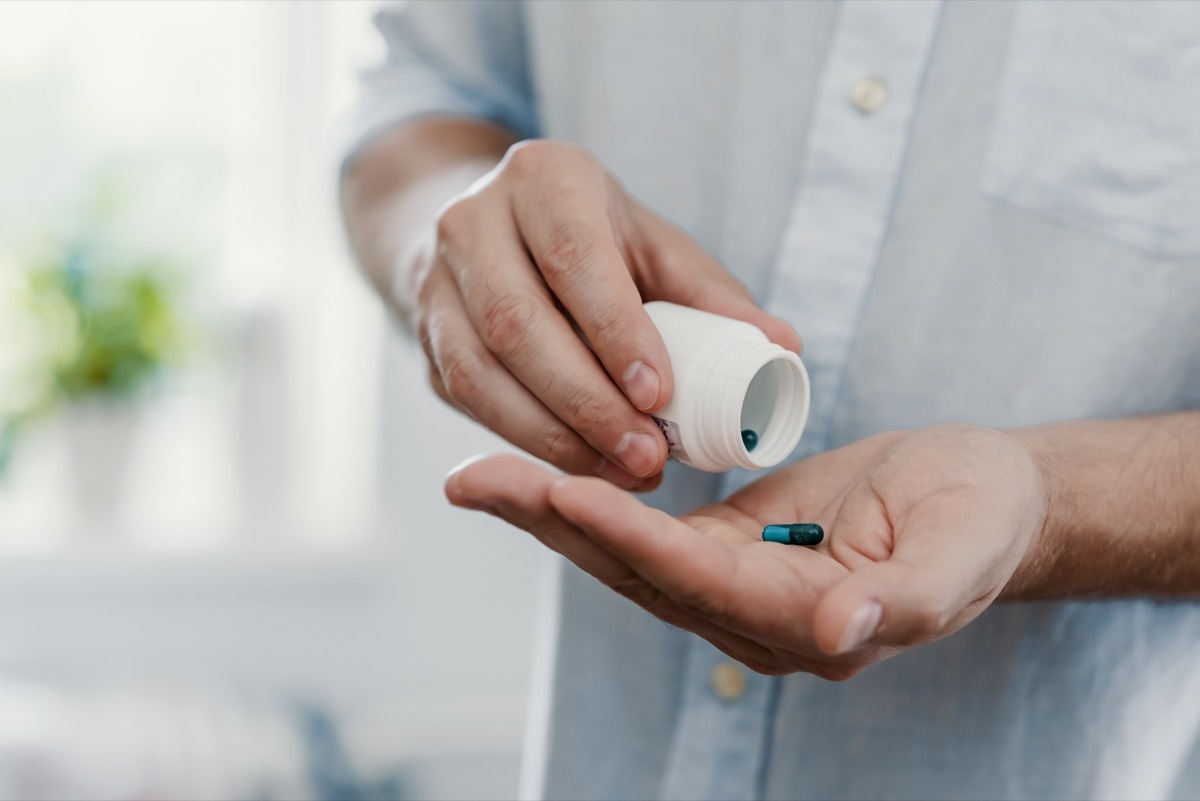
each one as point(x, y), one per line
point(507, 321)
point(557, 445)
point(461, 375)
point(661, 258)
point(551, 159)
point(455, 220)
point(569, 251)
point(613, 325)
point(527, 157)
point(583, 408)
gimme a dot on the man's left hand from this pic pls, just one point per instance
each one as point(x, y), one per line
point(923, 531)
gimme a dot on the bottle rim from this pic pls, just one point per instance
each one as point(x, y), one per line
point(731, 380)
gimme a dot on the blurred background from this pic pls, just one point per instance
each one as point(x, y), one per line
point(226, 567)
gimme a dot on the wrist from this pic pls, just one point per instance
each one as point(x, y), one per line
point(393, 189)
point(1034, 577)
point(408, 233)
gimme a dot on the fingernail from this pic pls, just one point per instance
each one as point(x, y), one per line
point(641, 385)
point(455, 493)
point(465, 463)
point(456, 496)
point(862, 627)
point(638, 452)
point(613, 474)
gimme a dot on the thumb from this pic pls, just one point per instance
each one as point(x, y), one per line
point(672, 266)
point(946, 567)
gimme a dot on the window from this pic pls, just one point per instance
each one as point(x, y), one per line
point(215, 127)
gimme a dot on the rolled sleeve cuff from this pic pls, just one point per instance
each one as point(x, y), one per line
point(402, 93)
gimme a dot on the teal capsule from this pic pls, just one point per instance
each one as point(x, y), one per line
point(794, 533)
point(749, 439)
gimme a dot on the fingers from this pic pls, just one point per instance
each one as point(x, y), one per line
point(518, 491)
point(945, 567)
point(516, 321)
point(468, 376)
point(668, 553)
point(711, 576)
point(539, 253)
point(567, 230)
point(677, 269)
point(719, 575)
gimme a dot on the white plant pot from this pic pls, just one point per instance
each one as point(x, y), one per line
point(101, 436)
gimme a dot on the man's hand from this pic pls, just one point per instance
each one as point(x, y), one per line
point(541, 258)
point(527, 288)
point(924, 531)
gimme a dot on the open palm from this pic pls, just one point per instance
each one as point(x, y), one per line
point(925, 529)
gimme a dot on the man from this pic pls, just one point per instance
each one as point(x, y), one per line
point(982, 217)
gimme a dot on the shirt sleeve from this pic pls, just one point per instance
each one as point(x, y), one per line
point(462, 57)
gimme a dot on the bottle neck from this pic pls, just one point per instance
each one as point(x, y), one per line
point(731, 368)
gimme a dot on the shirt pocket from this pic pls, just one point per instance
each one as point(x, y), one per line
point(1098, 120)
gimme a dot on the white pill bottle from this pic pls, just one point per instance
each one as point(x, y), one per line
point(729, 378)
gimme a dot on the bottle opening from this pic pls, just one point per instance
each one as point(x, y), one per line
point(775, 408)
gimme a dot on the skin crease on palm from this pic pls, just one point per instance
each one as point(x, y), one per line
point(931, 525)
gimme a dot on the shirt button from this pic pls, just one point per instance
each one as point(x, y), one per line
point(728, 681)
point(868, 94)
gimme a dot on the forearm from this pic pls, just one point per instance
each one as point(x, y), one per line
point(1123, 509)
point(393, 189)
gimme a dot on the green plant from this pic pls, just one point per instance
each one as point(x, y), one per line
point(91, 326)
point(122, 326)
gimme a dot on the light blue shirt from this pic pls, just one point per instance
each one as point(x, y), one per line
point(979, 212)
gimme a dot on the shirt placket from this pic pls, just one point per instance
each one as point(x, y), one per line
point(831, 245)
point(852, 166)
point(719, 742)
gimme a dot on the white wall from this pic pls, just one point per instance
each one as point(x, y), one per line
point(422, 641)
point(366, 590)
